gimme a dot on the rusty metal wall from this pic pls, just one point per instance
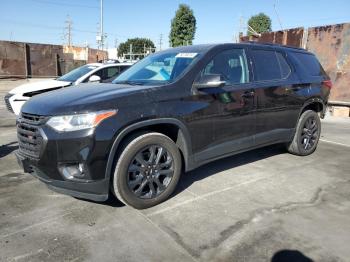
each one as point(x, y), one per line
point(331, 44)
point(291, 37)
point(12, 58)
point(43, 60)
point(96, 55)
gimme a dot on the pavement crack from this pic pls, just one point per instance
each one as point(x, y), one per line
point(259, 213)
point(174, 236)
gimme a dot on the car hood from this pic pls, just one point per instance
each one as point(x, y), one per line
point(40, 85)
point(84, 98)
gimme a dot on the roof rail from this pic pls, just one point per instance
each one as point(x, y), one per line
point(273, 44)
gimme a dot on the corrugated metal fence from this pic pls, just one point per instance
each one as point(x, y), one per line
point(19, 59)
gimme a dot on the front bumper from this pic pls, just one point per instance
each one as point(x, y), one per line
point(72, 163)
point(92, 190)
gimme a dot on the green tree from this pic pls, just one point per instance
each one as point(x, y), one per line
point(261, 23)
point(183, 27)
point(139, 46)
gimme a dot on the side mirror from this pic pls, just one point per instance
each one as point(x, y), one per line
point(94, 79)
point(210, 81)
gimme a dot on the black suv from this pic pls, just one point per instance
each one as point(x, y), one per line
point(170, 113)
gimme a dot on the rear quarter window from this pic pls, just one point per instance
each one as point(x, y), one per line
point(310, 64)
point(270, 65)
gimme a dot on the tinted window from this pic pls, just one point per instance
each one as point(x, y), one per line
point(284, 66)
point(107, 73)
point(310, 64)
point(266, 65)
point(111, 73)
point(75, 74)
point(231, 65)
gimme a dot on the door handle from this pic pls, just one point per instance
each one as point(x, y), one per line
point(293, 88)
point(248, 94)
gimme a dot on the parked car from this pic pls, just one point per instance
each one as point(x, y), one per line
point(170, 113)
point(96, 72)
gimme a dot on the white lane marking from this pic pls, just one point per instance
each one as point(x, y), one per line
point(204, 196)
point(332, 142)
point(29, 254)
point(50, 219)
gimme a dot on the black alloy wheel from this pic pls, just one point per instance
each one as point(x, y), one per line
point(309, 134)
point(150, 171)
point(147, 171)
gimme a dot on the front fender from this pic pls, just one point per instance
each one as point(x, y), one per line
point(183, 141)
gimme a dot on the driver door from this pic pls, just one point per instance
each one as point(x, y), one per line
point(232, 105)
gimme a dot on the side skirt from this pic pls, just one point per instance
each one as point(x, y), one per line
point(239, 146)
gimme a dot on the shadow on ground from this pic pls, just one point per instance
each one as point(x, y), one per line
point(290, 256)
point(8, 148)
point(218, 166)
point(210, 169)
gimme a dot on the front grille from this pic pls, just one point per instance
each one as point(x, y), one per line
point(30, 140)
point(7, 102)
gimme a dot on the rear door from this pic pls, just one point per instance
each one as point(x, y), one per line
point(277, 108)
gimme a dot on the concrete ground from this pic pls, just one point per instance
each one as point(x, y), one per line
point(264, 205)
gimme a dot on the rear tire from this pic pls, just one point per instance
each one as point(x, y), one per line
point(307, 134)
point(147, 171)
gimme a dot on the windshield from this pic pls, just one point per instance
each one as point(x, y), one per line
point(75, 74)
point(157, 69)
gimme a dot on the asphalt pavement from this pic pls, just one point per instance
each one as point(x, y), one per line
point(263, 205)
point(256, 206)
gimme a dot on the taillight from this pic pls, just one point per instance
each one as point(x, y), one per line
point(328, 83)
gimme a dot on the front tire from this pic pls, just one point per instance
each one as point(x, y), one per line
point(307, 134)
point(147, 171)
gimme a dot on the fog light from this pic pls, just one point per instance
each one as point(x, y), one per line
point(73, 171)
point(81, 168)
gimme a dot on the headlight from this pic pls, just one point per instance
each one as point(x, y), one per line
point(79, 121)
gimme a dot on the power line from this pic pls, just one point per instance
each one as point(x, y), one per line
point(278, 17)
point(64, 4)
point(50, 27)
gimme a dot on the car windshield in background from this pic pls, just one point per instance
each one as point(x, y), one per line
point(75, 74)
point(157, 69)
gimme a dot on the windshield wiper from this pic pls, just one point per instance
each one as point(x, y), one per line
point(129, 82)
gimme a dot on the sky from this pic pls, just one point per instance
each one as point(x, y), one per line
point(43, 21)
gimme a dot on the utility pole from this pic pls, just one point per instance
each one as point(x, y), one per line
point(130, 52)
point(237, 37)
point(101, 24)
point(100, 36)
point(68, 29)
point(160, 42)
point(116, 43)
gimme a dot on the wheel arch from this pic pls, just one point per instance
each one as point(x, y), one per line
point(178, 133)
point(315, 104)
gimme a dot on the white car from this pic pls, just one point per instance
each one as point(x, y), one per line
point(96, 72)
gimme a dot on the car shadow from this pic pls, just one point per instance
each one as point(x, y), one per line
point(290, 256)
point(112, 201)
point(223, 164)
point(187, 179)
point(8, 148)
